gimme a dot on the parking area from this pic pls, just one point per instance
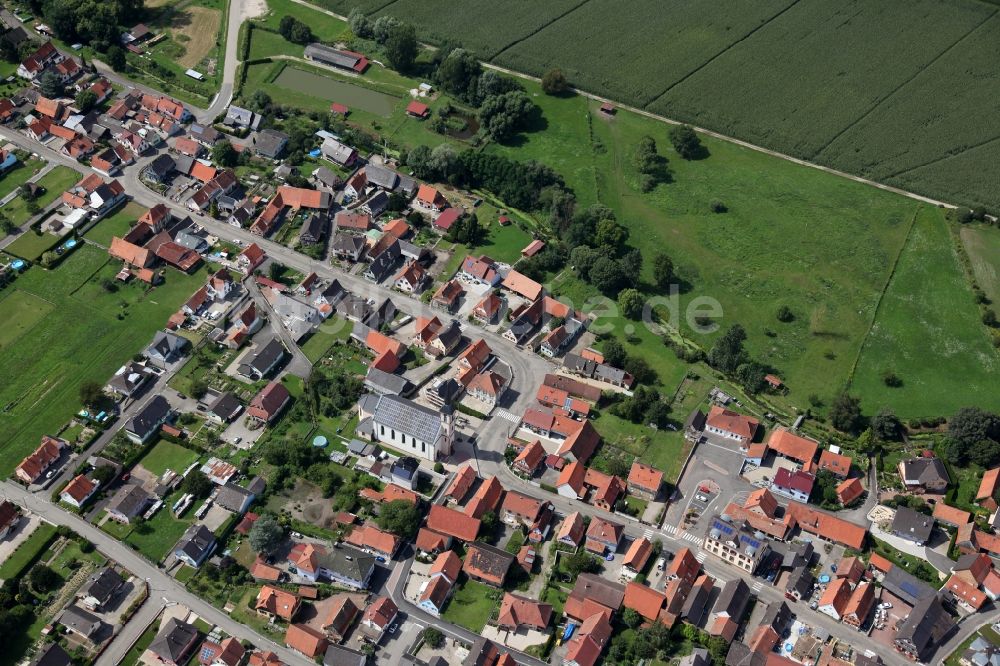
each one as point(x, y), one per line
point(23, 530)
point(714, 466)
point(884, 633)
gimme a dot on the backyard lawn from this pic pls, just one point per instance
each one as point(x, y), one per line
point(55, 183)
point(329, 332)
point(118, 224)
point(166, 455)
point(32, 244)
point(471, 605)
point(19, 175)
point(81, 338)
point(28, 551)
point(157, 536)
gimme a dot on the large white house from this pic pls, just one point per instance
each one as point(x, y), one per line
point(407, 426)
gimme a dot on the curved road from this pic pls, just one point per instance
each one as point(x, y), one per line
point(161, 585)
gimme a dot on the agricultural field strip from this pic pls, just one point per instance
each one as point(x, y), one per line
point(537, 30)
point(902, 85)
point(719, 54)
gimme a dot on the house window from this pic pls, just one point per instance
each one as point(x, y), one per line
point(423, 447)
point(382, 428)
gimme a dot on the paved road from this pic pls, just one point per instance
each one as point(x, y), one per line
point(161, 585)
point(115, 653)
point(300, 366)
point(238, 12)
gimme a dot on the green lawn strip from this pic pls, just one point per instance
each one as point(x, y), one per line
point(914, 565)
point(32, 244)
point(79, 340)
point(324, 27)
point(135, 654)
point(118, 224)
point(166, 455)
point(22, 311)
point(19, 175)
point(324, 337)
point(68, 559)
point(28, 551)
point(929, 333)
point(471, 605)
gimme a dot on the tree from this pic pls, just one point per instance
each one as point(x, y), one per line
point(50, 85)
point(631, 618)
point(614, 353)
point(972, 424)
point(360, 24)
point(663, 270)
point(751, 375)
point(85, 100)
point(266, 535)
point(197, 484)
point(44, 579)
point(501, 115)
point(458, 72)
point(224, 154)
point(582, 258)
point(607, 275)
point(116, 58)
point(294, 30)
point(886, 426)
point(91, 393)
point(581, 562)
point(489, 521)
point(785, 314)
point(401, 47)
point(433, 637)
point(630, 303)
point(727, 353)
point(399, 517)
point(7, 226)
point(554, 82)
point(685, 141)
point(103, 474)
point(383, 26)
point(845, 413)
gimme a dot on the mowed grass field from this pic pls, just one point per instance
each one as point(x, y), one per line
point(899, 93)
point(820, 244)
point(928, 332)
point(79, 338)
point(982, 244)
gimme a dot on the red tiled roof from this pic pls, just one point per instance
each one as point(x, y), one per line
point(645, 477)
point(849, 490)
point(835, 463)
point(644, 600)
point(369, 536)
point(951, 515)
point(80, 488)
point(278, 602)
point(571, 528)
point(461, 483)
point(522, 285)
point(988, 486)
point(430, 541)
point(963, 591)
point(516, 610)
point(487, 498)
point(637, 554)
point(738, 424)
point(305, 639)
point(448, 564)
point(452, 523)
point(792, 446)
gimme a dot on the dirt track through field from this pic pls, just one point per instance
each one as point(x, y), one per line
point(201, 26)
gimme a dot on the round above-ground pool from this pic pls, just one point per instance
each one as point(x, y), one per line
point(319, 441)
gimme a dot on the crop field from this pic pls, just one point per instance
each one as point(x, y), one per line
point(982, 244)
point(904, 95)
point(928, 332)
point(634, 55)
point(196, 28)
point(821, 88)
point(80, 339)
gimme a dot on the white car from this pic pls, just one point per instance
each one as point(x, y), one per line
point(392, 628)
point(701, 498)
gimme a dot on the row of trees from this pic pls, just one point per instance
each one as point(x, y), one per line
point(92, 22)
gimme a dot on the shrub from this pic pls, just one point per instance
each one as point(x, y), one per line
point(718, 207)
point(785, 314)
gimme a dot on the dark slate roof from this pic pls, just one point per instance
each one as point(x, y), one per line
point(347, 562)
point(52, 655)
point(382, 177)
point(80, 620)
point(226, 406)
point(906, 586)
point(926, 470)
point(912, 524)
point(341, 656)
point(162, 165)
point(173, 638)
point(926, 625)
point(197, 541)
point(408, 417)
point(166, 343)
point(733, 599)
point(150, 416)
point(800, 580)
point(232, 497)
point(384, 382)
point(102, 584)
point(267, 355)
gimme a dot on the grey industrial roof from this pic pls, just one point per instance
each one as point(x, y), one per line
point(408, 417)
point(331, 55)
